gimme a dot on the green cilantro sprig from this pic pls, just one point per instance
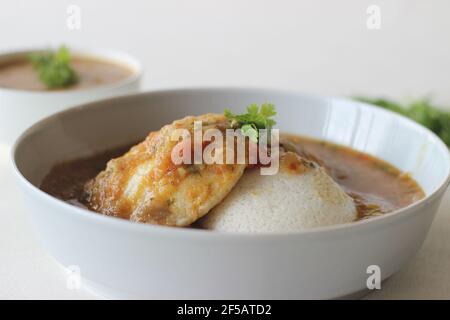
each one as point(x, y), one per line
point(256, 118)
point(54, 68)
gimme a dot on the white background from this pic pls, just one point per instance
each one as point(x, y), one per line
point(313, 46)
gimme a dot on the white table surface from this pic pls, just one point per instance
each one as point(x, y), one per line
point(314, 46)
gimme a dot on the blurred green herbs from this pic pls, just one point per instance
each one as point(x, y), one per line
point(421, 111)
point(54, 68)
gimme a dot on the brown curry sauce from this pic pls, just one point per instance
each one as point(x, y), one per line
point(19, 74)
point(376, 186)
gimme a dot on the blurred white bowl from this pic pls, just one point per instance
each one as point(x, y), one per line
point(125, 259)
point(19, 109)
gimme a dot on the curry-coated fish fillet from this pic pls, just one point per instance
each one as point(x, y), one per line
point(145, 185)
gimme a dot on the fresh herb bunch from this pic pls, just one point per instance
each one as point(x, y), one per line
point(422, 111)
point(54, 68)
point(256, 118)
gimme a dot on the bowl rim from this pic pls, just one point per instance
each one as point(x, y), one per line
point(387, 218)
point(102, 54)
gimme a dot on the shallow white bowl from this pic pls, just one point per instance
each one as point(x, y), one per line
point(19, 109)
point(127, 259)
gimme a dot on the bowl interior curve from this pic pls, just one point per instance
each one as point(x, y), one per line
point(85, 130)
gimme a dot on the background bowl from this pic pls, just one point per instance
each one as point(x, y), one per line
point(126, 259)
point(19, 109)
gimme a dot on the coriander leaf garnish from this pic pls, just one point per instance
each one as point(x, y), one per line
point(54, 68)
point(421, 111)
point(250, 131)
point(255, 118)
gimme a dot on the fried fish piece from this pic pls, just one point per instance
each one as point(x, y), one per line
point(145, 185)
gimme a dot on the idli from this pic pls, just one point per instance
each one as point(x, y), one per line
point(300, 196)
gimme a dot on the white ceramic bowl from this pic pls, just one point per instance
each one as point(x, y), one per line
point(125, 259)
point(19, 109)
